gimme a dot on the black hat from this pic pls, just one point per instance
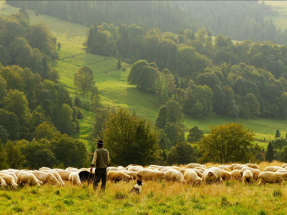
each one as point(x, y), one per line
point(100, 142)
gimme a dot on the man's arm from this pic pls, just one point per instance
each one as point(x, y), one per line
point(94, 159)
point(108, 157)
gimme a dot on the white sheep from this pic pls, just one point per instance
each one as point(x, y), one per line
point(212, 175)
point(225, 175)
point(247, 176)
point(272, 177)
point(10, 181)
point(193, 165)
point(2, 182)
point(57, 175)
point(45, 177)
point(191, 177)
point(148, 174)
point(174, 175)
point(75, 178)
point(28, 178)
point(235, 175)
point(252, 165)
point(273, 168)
point(64, 174)
point(10, 173)
point(255, 172)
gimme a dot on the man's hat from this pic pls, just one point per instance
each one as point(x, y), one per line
point(100, 142)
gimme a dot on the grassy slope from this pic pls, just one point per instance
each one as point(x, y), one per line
point(112, 83)
point(231, 197)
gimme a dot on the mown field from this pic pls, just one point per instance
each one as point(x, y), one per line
point(231, 197)
point(112, 83)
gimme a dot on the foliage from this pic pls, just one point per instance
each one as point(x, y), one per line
point(27, 45)
point(161, 119)
point(28, 102)
point(45, 131)
point(277, 135)
point(101, 114)
point(227, 143)
point(3, 156)
point(186, 153)
point(70, 151)
point(84, 79)
point(270, 153)
point(129, 139)
point(15, 158)
point(278, 145)
point(194, 135)
point(143, 75)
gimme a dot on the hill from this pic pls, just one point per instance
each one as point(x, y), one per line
point(112, 83)
point(280, 18)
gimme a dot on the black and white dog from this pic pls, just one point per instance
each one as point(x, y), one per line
point(137, 188)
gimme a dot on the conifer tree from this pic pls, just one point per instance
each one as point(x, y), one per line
point(277, 135)
point(270, 153)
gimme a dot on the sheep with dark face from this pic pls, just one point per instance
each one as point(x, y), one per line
point(212, 175)
point(247, 177)
point(235, 175)
point(255, 172)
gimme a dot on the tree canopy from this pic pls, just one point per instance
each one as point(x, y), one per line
point(227, 143)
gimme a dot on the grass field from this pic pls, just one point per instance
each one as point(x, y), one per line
point(231, 197)
point(112, 83)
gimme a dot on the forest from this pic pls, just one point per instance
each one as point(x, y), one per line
point(190, 72)
point(246, 79)
point(247, 22)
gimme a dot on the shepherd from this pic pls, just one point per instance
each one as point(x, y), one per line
point(100, 161)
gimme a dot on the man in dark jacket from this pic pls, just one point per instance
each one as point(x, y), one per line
point(100, 161)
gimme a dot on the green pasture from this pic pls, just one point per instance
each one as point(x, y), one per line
point(112, 83)
point(231, 197)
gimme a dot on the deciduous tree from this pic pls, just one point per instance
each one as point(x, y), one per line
point(227, 143)
point(129, 139)
point(84, 79)
point(194, 135)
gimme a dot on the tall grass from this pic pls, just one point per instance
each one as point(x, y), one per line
point(231, 197)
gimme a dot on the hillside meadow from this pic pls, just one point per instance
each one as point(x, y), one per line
point(231, 197)
point(113, 86)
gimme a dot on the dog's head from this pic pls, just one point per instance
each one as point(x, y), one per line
point(139, 182)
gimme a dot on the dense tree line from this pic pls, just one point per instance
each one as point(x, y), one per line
point(238, 20)
point(61, 151)
point(277, 148)
point(185, 53)
point(26, 45)
point(26, 101)
point(29, 92)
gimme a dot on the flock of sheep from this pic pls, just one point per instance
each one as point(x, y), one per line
point(193, 173)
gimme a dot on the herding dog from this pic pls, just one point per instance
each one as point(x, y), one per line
point(138, 186)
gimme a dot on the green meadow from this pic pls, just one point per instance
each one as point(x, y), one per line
point(157, 197)
point(112, 83)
